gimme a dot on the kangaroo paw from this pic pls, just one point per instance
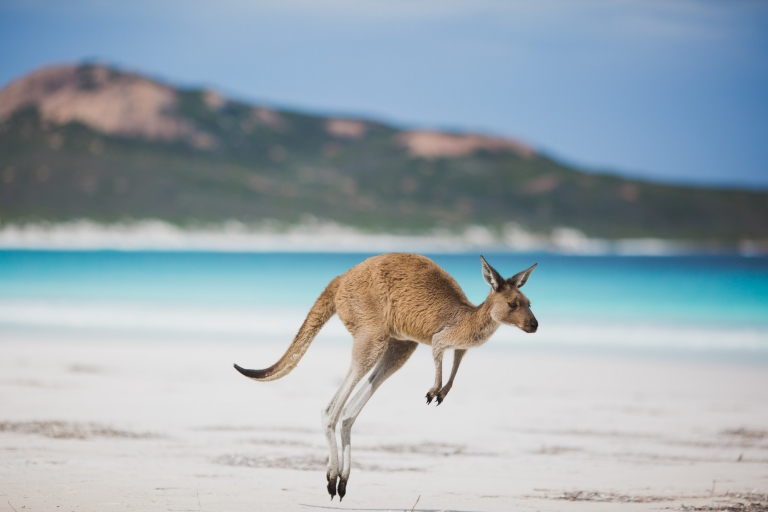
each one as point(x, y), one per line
point(342, 488)
point(432, 394)
point(441, 395)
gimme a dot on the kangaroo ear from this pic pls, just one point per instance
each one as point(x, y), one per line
point(490, 275)
point(519, 279)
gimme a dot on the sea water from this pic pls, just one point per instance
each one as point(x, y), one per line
point(685, 303)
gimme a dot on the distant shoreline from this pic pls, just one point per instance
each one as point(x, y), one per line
point(313, 235)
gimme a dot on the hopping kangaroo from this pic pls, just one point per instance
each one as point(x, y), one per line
point(391, 303)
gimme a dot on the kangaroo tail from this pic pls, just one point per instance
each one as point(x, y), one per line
point(323, 309)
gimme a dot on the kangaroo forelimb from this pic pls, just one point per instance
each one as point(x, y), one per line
point(458, 354)
point(437, 354)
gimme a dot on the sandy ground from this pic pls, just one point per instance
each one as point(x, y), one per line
point(168, 425)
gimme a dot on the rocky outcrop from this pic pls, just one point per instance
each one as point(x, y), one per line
point(431, 144)
point(346, 128)
point(130, 105)
point(106, 100)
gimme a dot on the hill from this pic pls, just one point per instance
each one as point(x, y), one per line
point(98, 143)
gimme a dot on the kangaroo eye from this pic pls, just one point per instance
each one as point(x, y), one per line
point(512, 305)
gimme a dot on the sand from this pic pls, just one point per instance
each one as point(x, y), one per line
point(154, 424)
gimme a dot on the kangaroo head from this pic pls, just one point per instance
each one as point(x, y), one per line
point(508, 304)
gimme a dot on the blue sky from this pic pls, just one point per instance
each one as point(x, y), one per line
point(670, 90)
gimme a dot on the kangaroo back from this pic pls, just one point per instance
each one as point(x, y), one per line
point(323, 309)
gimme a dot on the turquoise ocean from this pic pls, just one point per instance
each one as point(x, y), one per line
point(682, 304)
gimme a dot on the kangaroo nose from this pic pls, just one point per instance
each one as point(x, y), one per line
point(534, 325)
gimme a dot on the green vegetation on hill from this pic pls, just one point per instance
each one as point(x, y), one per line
point(285, 165)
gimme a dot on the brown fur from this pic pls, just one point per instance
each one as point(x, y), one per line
point(390, 303)
point(322, 311)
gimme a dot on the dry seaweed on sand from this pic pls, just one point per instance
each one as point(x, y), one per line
point(305, 463)
point(66, 430)
point(736, 502)
point(608, 497)
point(730, 507)
point(746, 433)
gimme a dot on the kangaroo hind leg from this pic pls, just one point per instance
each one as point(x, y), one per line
point(394, 358)
point(365, 352)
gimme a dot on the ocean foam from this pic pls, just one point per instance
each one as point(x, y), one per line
point(313, 235)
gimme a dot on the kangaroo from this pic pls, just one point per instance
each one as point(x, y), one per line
point(390, 303)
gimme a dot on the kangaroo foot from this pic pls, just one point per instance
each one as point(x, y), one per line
point(431, 394)
point(441, 395)
point(331, 485)
point(342, 488)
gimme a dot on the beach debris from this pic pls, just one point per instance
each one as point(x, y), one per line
point(730, 507)
point(66, 430)
point(300, 462)
point(608, 497)
point(556, 450)
point(433, 449)
point(746, 433)
point(734, 502)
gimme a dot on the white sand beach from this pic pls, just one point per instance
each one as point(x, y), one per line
point(153, 424)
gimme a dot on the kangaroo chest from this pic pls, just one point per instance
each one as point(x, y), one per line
point(465, 336)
